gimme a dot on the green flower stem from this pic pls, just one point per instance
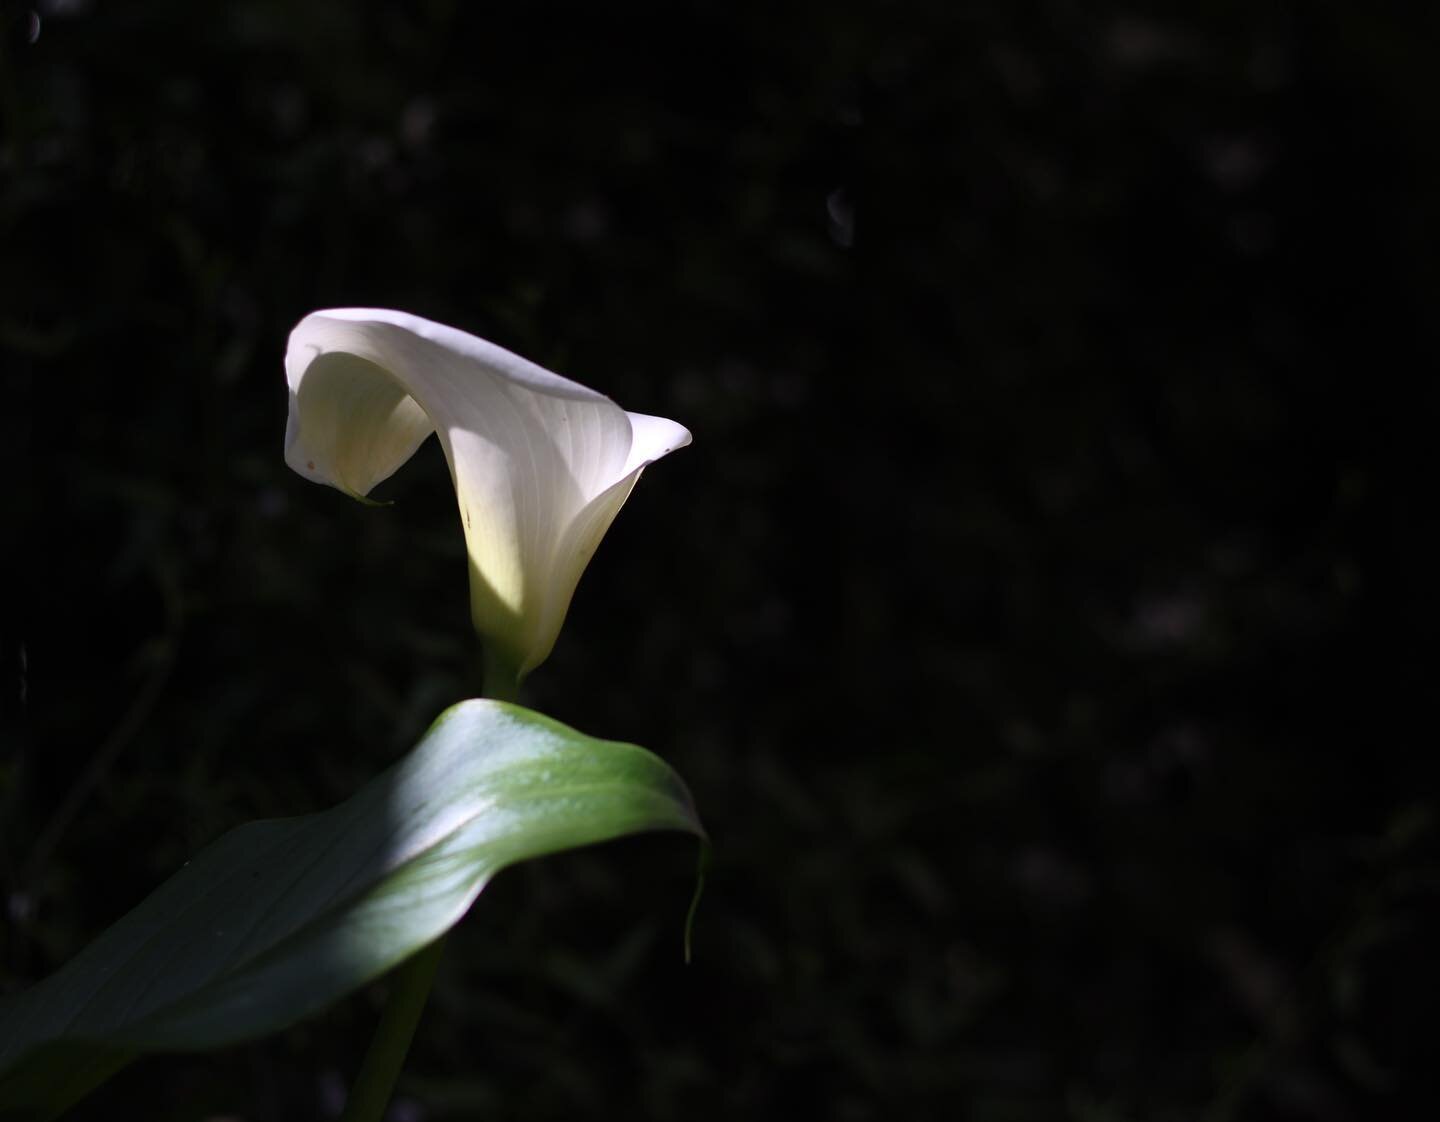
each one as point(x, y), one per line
point(501, 681)
point(411, 981)
point(409, 989)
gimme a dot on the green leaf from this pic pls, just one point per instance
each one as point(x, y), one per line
point(277, 919)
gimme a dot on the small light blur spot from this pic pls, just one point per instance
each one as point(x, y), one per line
point(331, 1093)
point(19, 907)
point(842, 218)
point(1236, 163)
point(33, 30)
point(272, 502)
point(417, 122)
point(587, 221)
point(406, 1110)
point(65, 8)
point(1140, 45)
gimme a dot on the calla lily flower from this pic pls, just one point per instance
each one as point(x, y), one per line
point(541, 464)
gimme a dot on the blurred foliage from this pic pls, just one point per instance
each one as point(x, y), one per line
point(1041, 617)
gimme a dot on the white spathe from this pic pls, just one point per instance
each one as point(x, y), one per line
point(541, 464)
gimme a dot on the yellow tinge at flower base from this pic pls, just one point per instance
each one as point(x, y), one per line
point(541, 464)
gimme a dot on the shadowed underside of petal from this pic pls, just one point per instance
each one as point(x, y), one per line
point(351, 424)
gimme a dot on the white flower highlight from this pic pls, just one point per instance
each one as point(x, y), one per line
point(541, 464)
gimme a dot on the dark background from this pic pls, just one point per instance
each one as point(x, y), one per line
point(1042, 616)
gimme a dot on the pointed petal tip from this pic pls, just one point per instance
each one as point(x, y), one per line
point(653, 437)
